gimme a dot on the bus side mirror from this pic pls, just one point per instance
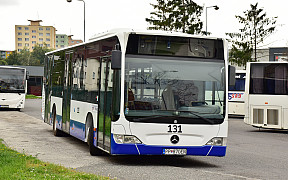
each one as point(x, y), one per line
point(231, 75)
point(116, 60)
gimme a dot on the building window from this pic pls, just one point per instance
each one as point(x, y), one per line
point(26, 39)
point(19, 50)
point(48, 45)
point(47, 39)
point(62, 36)
point(56, 41)
point(33, 47)
point(33, 31)
point(19, 33)
point(26, 34)
point(48, 28)
point(33, 42)
point(19, 44)
point(19, 39)
point(62, 41)
point(47, 34)
point(27, 44)
point(40, 34)
point(56, 36)
point(26, 28)
point(33, 36)
point(41, 45)
point(56, 45)
point(62, 46)
point(40, 29)
point(19, 28)
point(41, 39)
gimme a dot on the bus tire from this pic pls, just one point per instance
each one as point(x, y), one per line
point(94, 151)
point(56, 131)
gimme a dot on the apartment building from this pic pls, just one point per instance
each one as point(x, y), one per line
point(4, 54)
point(27, 36)
point(73, 41)
point(61, 41)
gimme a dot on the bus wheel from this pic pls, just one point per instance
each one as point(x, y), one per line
point(94, 151)
point(56, 131)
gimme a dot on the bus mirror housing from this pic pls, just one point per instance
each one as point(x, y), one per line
point(231, 75)
point(116, 60)
point(27, 75)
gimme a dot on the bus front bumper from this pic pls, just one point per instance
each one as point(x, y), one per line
point(142, 149)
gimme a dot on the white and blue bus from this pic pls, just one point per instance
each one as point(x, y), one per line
point(129, 92)
point(12, 87)
point(266, 101)
point(236, 95)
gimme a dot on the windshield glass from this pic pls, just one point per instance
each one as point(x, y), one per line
point(165, 89)
point(12, 80)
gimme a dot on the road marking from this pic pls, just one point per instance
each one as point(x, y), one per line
point(231, 175)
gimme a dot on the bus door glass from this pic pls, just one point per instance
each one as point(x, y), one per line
point(66, 94)
point(105, 102)
point(48, 86)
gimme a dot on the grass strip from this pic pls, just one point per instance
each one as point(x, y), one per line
point(15, 165)
point(31, 96)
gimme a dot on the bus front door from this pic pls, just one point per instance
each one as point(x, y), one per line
point(66, 95)
point(105, 101)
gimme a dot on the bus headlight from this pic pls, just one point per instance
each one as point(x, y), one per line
point(217, 141)
point(126, 139)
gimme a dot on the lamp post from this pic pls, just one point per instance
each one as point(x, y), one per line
point(215, 7)
point(84, 14)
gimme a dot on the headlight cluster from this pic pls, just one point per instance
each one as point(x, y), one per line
point(217, 141)
point(126, 139)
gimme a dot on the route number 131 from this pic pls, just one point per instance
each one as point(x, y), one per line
point(174, 129)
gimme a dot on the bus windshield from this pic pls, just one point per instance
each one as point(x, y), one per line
point(165, 89)
point(12, 80)
point(239, 83)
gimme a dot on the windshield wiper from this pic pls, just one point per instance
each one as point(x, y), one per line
point(201, 117)
point(174, 116)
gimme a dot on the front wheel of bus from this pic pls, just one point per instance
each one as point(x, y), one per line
point(94, 151)
point(56, 131)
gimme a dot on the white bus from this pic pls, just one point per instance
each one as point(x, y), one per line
point(12, 87)
point(236, 95)
point(267, 95)
point(140, 93)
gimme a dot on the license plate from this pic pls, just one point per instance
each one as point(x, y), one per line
point(174, 151)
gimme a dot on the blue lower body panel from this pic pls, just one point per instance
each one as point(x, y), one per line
point(141, 149)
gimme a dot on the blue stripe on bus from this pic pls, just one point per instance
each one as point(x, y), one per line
point(77, 130)
point(131, 149)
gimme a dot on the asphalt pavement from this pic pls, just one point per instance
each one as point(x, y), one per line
point(251, 154)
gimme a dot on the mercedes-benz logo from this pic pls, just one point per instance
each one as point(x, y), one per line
point(174, 139)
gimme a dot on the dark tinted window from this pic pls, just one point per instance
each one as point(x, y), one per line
point(239, 83)
point(175, 46)
point(269, 79)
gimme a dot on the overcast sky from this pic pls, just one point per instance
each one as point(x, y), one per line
point(102, 15)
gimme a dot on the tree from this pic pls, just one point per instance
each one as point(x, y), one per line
point(3, 61)
point(38, 54)
point(177, 15)
point(256, 28)
point(13, 59)
point(27, 58)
